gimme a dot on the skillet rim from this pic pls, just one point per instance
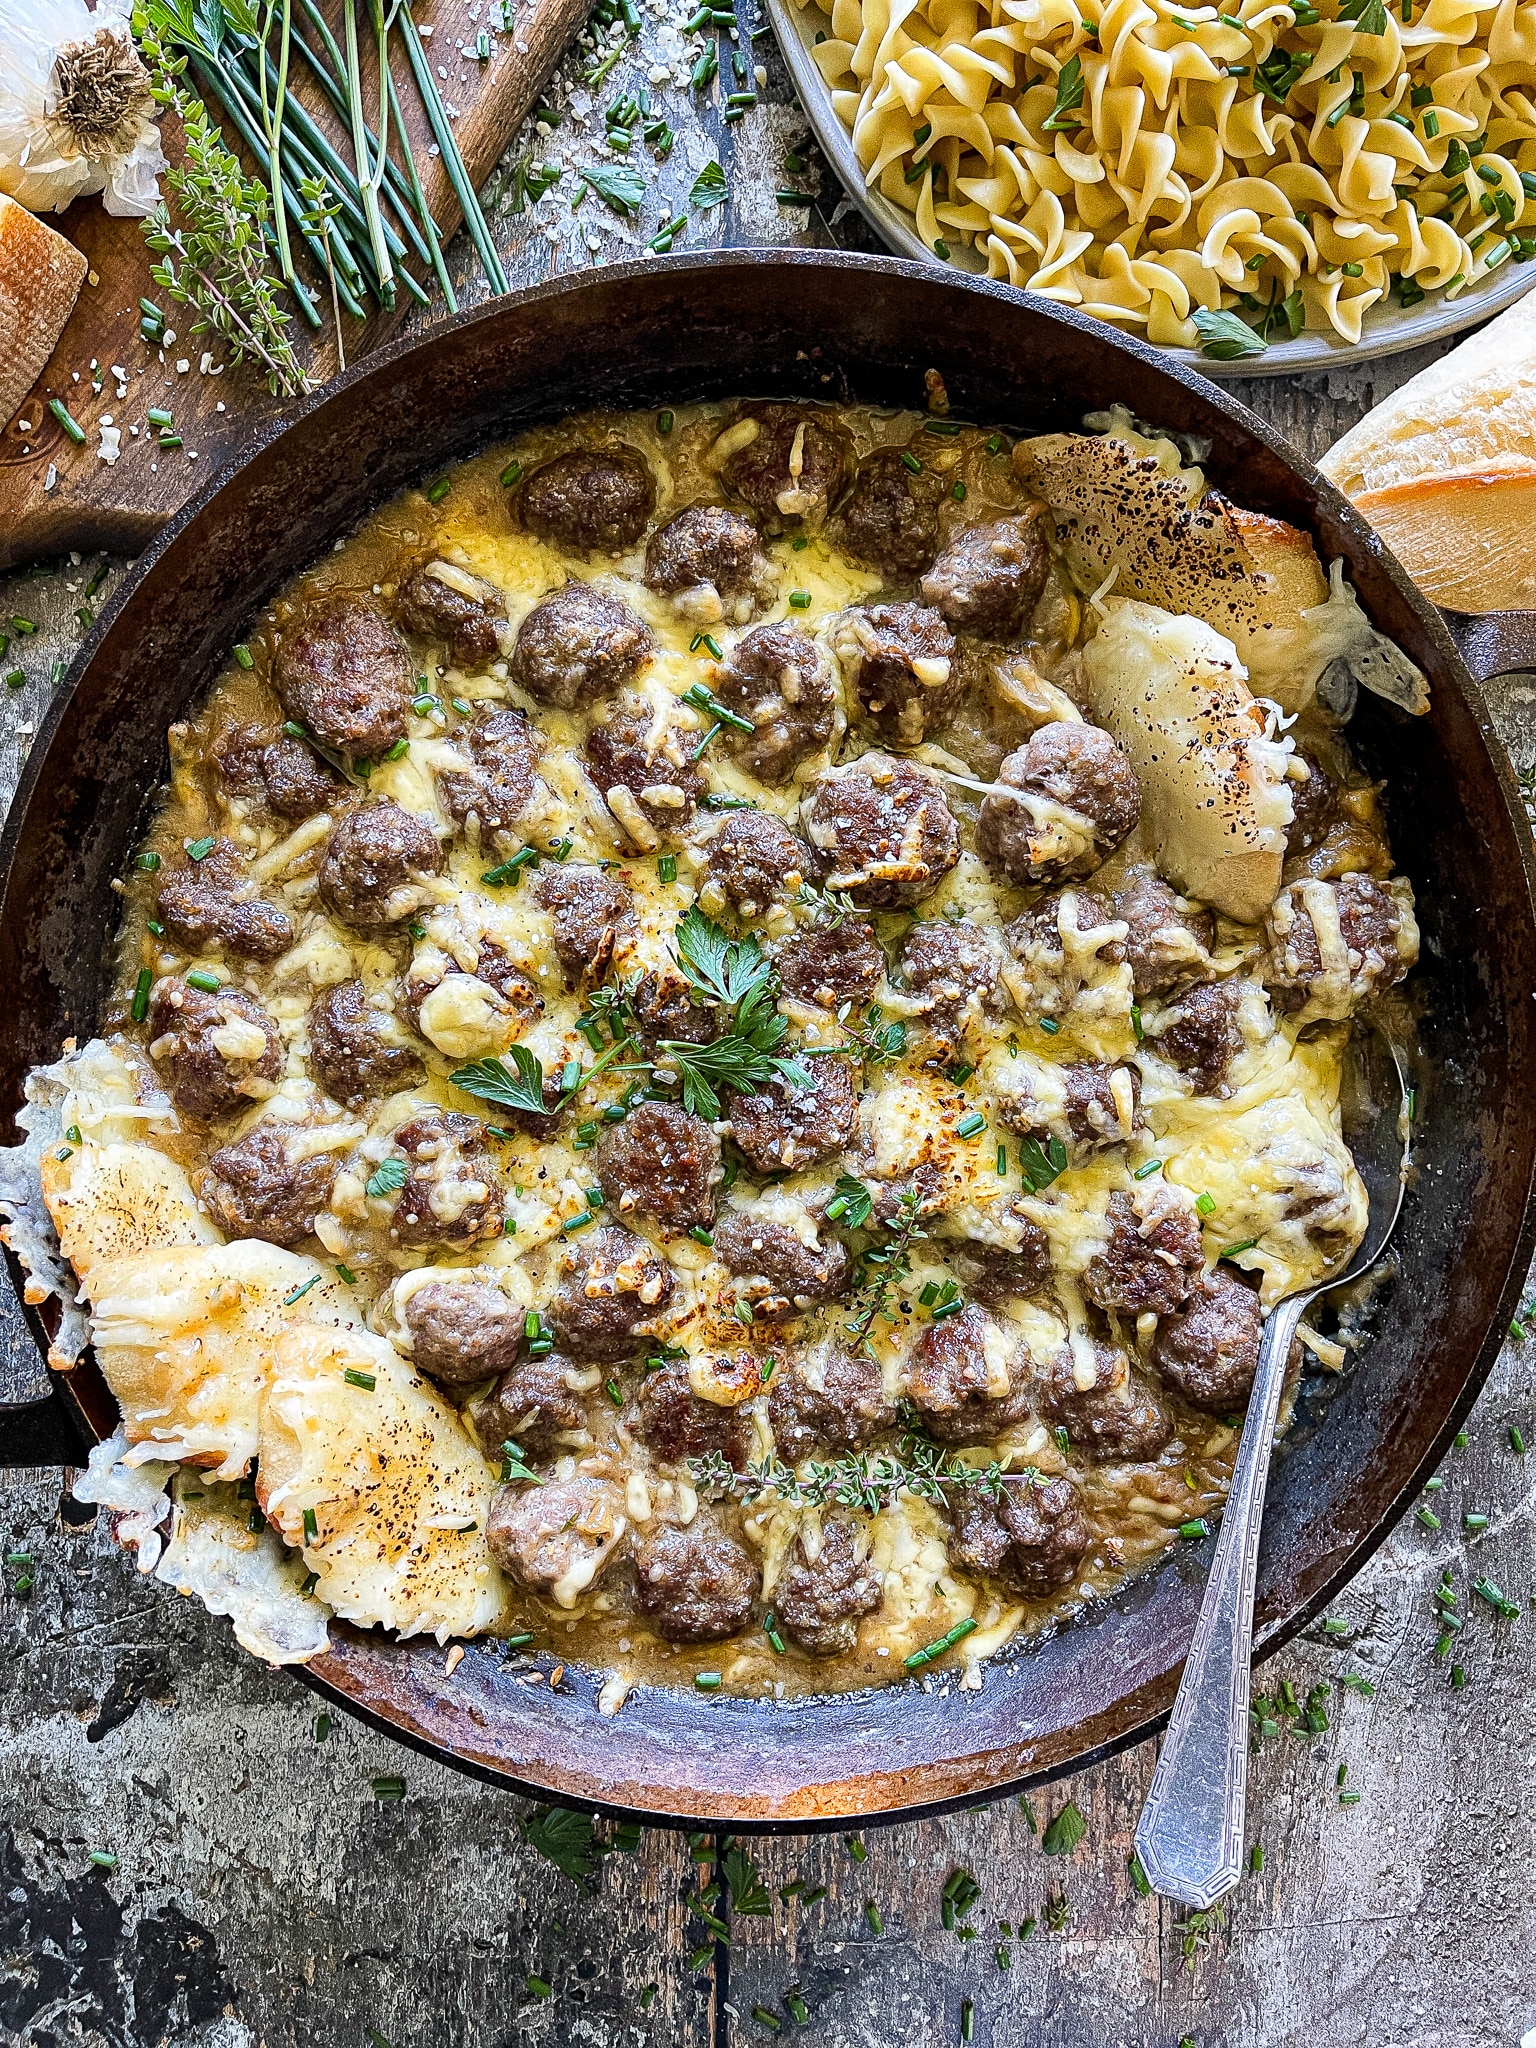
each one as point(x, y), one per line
point(1325, 504)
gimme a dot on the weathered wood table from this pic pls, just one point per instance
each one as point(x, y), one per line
point(249, 1885)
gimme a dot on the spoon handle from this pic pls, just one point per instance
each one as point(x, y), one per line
point(1190, 1836)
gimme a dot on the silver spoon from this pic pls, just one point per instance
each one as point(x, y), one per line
point(1190, 1835)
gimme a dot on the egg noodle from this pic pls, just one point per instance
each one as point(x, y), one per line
point(1164, 167)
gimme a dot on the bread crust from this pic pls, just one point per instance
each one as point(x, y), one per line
point(40, 278)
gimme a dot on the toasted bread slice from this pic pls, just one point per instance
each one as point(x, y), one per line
point(40, 278)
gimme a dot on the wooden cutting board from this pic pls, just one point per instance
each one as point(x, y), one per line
point(94, 504)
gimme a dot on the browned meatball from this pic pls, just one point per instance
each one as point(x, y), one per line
point(261, 1186)
point(950, 1375)
point(1077, 798)
point(663, 1163)
point(451, 1194)
point(592, 911)
point(695, 1585)
point(350, 1047)
point(677, 1425)
point(1201, 1036)
point(664, 1009)
point(1037, 939)
point(441, 602)
point(1086, 1105)
point(1210, 1351)
point(756, 862)
point(371, 873)
point(710, 562)
point(1167, 942)
point(1314, 807)
point(786, 1128)
point(212, 902)
point(989, 579)
point(778, 678)
point(558, 1536)
point(579, 645)
point(900, 661)
point(831, 1400)
point(952, 970)
point(613, 1287)
point(236, 756)
point(589, 499)
point(463, 1330)
point(1118, 1417)
point(793, 469)
point(1337, 944)
point(298, 783)
point(347, 676)
point(1033, 1538)
point(504, 749)
point(1148, 1264)
point(884, 831)
point(532, 1404)
point(784, 1275)
point(222, 1052)
point(818, 1605)
point(831, 964)
point(491, 965)
point(661, 780)
point(890, 518)
point(992, 1276)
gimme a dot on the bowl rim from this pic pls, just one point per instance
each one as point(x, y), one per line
point(1149, 1715)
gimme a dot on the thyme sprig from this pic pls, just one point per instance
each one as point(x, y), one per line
point(866, 1480)
point(892, 1263)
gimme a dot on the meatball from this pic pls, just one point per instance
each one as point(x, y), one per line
point(1033, 1538)
point(636, 774)
point(664, 1009)
point(1149, 1261)
point(779, 679)
point(677, 1425)
point(1209, 1352)
point(441, 602)
point(612, 1288)
point(591, 911)
point(784, 1275)
point(579, 645)
point(504, 750)
point(373, 868)
point(694, 1585)
point(711, 564)
point(351, 1047)
point(589, 500)
point(1334, 945)
point(531, 1404)
point(786, 1128)
point(884, 831)
point(788, 463)
point(890, 518)
point(222, 1052)
point(1167, 941)
point(900, 661)
point(1314, 807)
point(463, 1330)
point(952, 970)
point(1201, 1035)
point(663, 1163)
point(1064, 944)
point(264, 1186)
point(989, 579)
point(1117, 1416)
point(992, 1276)
point(1069, 796)
point(963, 1373)
point(1084, 1105)
point(832, 1399)
point(556, 1539)
point(755, 862)
point(451, 1194)
point(212, 903)
point(818, 1604)
point(297, 782)
point(831, 964)
point(347, 675)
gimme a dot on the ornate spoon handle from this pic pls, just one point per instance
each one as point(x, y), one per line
point(1190, 1837)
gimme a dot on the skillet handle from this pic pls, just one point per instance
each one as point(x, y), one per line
point(1493, 643)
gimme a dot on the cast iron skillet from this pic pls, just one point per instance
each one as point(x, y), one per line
point(824, 325)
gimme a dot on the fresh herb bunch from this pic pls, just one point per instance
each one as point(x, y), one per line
point(733, 975)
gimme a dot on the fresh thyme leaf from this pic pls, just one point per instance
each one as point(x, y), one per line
point(1069, 96)
point(709, 187)
point(1042, 1163)
point(748, 1892)
point(617, 185)
point(890, 1261)
point(387, 1177)
point(1065, 1831)
point(490, 1080)
point(1225, 336)
point(831, 906)
point(565, 1839)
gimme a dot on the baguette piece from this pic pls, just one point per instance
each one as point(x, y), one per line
point(1464, 536)
point(40, 278)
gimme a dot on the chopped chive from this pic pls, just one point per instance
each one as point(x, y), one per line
point(1333, 1626)
point(707, 1681)
point(439, 490)
point(160, 416)
point(199, 849)
point(170, 440)
point(21, 625)
point(398, 751)
point(1002, 1161)
point(768, 2019)
point(147, 862)
point(521, 1640)
point(875, 1918)
point(788, 196)
point(1244, 1244)
point(931, 1651)
point(389, 1787)
point(854, 1844)
point(207, 982)
point(244, 655)
point(1460, 1440)
point(1143, 1172)
point(67, 420)
point(666, 867)
point(800, 600)
point(794, 2004)
point(1429, 1518)
point(152, 925)
point(512, 474)
point(103, 1859)
point(346, 1273)
point(298, 1293)
point(910, 461)
point(1192, 1531)
point(311, 1525)
point(1516, 1441)
point(957, 492)
point(365, 1380)
point(771, 1631)
point(1205, 1204)
point(967, 2018)
point(1474, 1521)
point(1050, 1026)
point(968, 1126)
point(141, 995)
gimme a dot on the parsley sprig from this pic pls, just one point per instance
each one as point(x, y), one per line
point(732, 975)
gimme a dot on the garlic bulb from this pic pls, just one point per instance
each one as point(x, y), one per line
point(76, 114)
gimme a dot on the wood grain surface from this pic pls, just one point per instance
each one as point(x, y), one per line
point(264, 1895)
point(96, 504)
